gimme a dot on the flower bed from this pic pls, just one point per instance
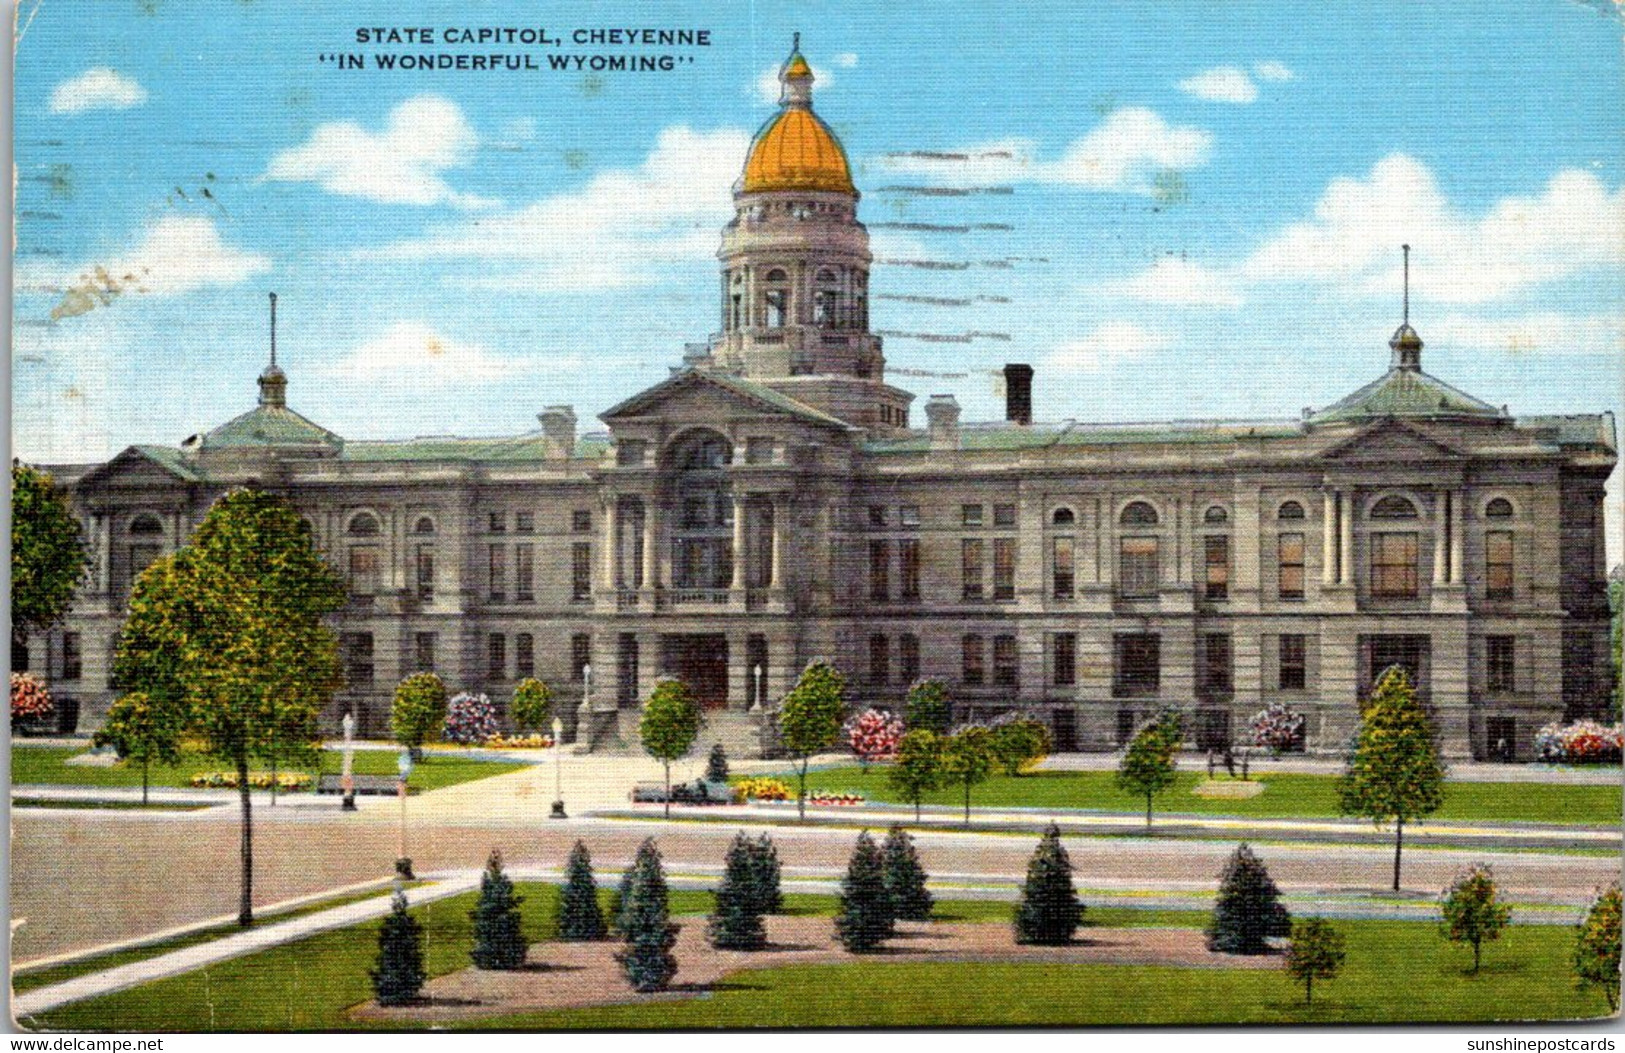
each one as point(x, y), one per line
point(259, 780)
point(762, 788)
point(824, 798)
point(500, 741)
point(1584, 742)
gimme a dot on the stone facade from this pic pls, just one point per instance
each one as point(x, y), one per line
point(769, 503)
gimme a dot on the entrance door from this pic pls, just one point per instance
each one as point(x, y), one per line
point(1501, 734)
point(1213, 729)
point(1064, 725)
point(700, 660)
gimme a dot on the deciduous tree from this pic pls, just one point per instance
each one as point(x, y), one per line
point(48, 555)
point(1471, 911)
point(1315, 953)
point(967, 758)
point(532, 705)
point(1596, 948)
point(927, 707)
point(1151, 762)
point(419, 712)
point(671, 720)
point(144, 730)
point(810, 718)
point(918, 769)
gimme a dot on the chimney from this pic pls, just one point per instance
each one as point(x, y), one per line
point(1018, 393)
point(942, 422)
point(558, 432)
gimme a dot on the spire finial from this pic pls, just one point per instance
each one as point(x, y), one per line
point(1407, 316)
point(795, 41)
point(1406, 345)
point(273, 329)
point(273, 382)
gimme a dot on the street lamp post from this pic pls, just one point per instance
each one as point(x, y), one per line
point(347, 779)
point(761, 689)
point(558, 770)
point(403, 863)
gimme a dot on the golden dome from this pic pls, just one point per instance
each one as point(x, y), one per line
point(795, 150)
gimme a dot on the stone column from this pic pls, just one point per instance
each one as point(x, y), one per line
point(739, 541)
point(610, 561)
point(1457, 522)
point(1345, 573)
point(651, 545)
point(781, 513)
point(1328, 547)
point(1441, 556)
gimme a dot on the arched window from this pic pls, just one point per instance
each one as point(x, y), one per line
point(1216, 515)
point(1138, 513)
point(424, 525)
point(1499, 508)
point(702, 542)
point(1289, 510)
point(363, 524)
point(1393, 507)
point(1063, 517)
point(827, 299)
point(776, 299)
point(146, 524)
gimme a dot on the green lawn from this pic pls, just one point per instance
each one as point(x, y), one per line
point(104, 806)
point(1396, 971)
point(43, 764)
point(1285, 794)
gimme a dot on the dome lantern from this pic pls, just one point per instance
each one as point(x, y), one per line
point(795, 150)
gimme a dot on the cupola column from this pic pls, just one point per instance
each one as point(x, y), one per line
point(1441, 556)
point(1328, 545)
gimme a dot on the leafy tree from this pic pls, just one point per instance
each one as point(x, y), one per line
point(1315, 953)
point(498, 941)
point(764, 861)
point(736, 920)
point(671, 720)
point(532, 705)
point(918, 769)
point(1248, 908)
point(1470, 910)
point(579, 916)
point(905, 877)
point(1596, 948)
point(865, 918)
point(400, 973)
point(1150, 763)
point(646, 925)
point(48, 554)
point(1394, 774)
point(716, 765)
point(967, 758)
point(233, 625)
point(419, 712)
point(810, 718)
point(927, 707)
point(144, 730)
point(1018, 744)
point(1049, 913)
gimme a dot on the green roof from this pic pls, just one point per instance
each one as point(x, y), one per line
point(170, 459)
point(1002, 435)
point(269, 426)
point(1405, 393)
point(738, 385)
point(528, 447)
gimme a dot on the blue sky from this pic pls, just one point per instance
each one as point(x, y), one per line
point(1199, 212)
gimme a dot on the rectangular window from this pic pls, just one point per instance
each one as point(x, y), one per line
point(1063, 562)
point(1289, 566)
point(1216, 553)
point(1004, 568)
point(908, 515)
point(366, 561)
point(629, 453)
point(580, 521)
point(356, 651)
point(1136, 665)
point(497, 522)
point(1498, 565)
point(627, 671)
point(1503, 668)
point(971, 655)
point(879, 659)
point(524, 522)
point(971, 567)
point(1006, 672)
point(880, 570)
point(1004, 515)
point(425, 572)
point(423, 651)
point(524, 655)
point(1137, 568)
point(72, 659)
point(580, 571)
point(1216, 663)
point(1394, 566)
point(496, 650)
point(1293, 672)
point(908, 657)
point(497, 560)
point(1403, 651)
point(1066, 659)
point(524, 572)
point(970, 515)
point(908, 570)
point(877, 515)
point(758, 450)
point(580, 655)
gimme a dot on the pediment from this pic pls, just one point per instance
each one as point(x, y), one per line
point(700, 397)
point(1391, 442)
point(135, 466)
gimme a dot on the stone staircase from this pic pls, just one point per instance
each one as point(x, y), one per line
point(616, 734)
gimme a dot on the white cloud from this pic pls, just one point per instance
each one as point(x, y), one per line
point(1125, 152)
point(1542, 333)
point(846, 59)
point(1353, 239)
point(1272, 70)
point(1178, 282)
point(416, 351)
point(400, 165)
point(64, 410)
point(767, 87)
point(613, 232)
point(1108, 344)
point(97, 89)
point(1221, 84)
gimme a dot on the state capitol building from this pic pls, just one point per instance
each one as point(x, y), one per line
point(776, 500)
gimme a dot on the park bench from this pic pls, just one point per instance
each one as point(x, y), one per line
point(376, 785)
